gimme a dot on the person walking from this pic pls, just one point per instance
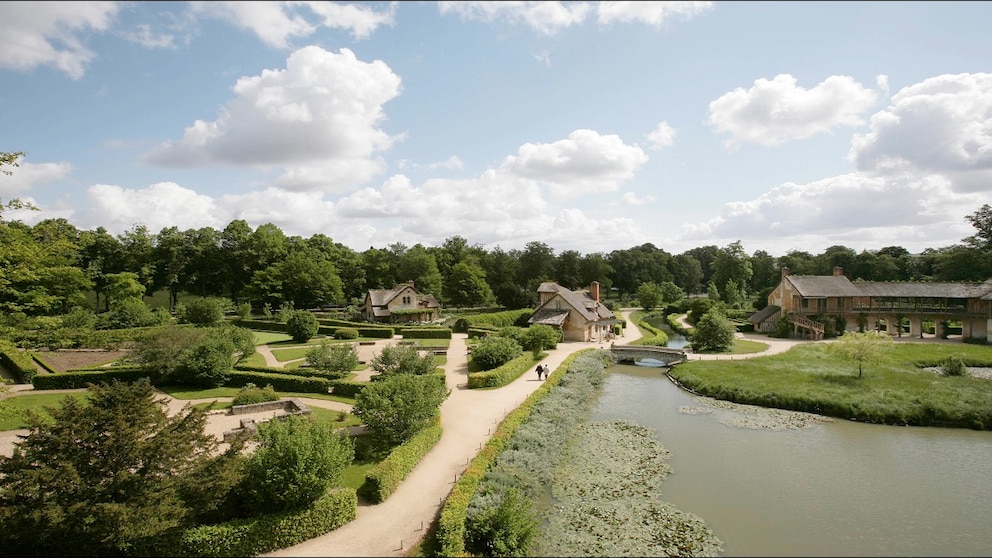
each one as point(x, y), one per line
point(540, 371)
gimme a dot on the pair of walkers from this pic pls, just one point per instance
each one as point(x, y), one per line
point(541, 370)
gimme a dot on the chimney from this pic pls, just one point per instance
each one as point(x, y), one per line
point(838, 271)
point(594, 290)
point(785, 271)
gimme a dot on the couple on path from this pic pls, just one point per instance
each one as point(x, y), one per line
point(540, 371)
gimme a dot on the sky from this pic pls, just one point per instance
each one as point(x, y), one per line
point(588, 126)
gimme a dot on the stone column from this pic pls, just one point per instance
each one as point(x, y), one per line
point(916, 326)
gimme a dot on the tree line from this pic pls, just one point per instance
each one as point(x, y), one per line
point(53, 266)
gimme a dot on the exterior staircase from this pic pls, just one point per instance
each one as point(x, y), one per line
point(814, 328)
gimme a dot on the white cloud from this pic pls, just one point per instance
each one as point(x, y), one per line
point(775, 111)
point(275, 23)
point(859, 210)
point(160, 205)
point(631, 198)
point(146, 37)
point(544, 57)
point(545, 17)
point(585, 162)
point(318, 117)
point(36, 34)
point(661, 137)
point(653, 13)
point(941, 125)
point(28, 176)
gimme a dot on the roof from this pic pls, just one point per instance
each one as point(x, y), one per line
point(764, 314)
point(549, 316)
point(813, 286)
point(382, 297)
point(583, 302)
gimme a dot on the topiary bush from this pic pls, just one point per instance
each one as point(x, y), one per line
point(251, 394)
point(346, 333)
point(494, 351)
point(301, 325)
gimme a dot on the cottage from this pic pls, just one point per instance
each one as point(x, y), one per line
point(814, 304)
point(402, 303)
point(578, 314)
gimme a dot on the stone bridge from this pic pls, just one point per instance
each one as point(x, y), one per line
point(634, 353)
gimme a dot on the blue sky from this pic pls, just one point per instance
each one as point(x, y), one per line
point(587, 126)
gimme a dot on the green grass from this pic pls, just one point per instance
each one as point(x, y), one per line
point(269, 337)
point(740, 347)
point(893, 391)
point(15, 419)
point(254, 360)
point(185, 392)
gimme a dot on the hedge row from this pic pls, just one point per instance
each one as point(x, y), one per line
point(450, 533)
point(279, 381)
point(495, 319)
point(41, 362)
point(480, 331)
point(673, 322)
point(18, 362)
point(383, 479)
point(426, 333)
point(78, 379)
point(280, 327)
point(658, 337)
point(502, 375)
point(77, 338)
point(258, 535)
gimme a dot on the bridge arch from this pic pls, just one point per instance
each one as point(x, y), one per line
point(633, 353)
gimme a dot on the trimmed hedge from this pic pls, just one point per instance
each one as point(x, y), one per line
point(502, 375)
point(658, 337)
point(673, 322)
point(347, 388)
point(78, 338)
point(279, 382)
point(258, 535)
point(426, 333)
point(18, 362)
point(81, 378)
point(383, 479)
point(494, 319)
point(449, 535)
point(479, 332)
point(41, 362)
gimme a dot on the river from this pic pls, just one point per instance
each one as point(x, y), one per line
point(835, 488)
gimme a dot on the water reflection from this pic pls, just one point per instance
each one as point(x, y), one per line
point(825, 489)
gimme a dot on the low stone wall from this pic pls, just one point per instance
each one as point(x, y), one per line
point(291, 406)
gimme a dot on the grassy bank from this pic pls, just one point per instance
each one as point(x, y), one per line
point(896, 390)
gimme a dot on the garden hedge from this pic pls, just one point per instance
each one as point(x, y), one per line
point(494, 319)
point(18, 362)
point(383, 479)
point(502, 375)
point(426, 333)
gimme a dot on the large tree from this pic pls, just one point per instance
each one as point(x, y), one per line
point(466, 285)
point(110, 474)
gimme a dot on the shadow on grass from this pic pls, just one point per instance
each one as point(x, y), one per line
point(845, 380)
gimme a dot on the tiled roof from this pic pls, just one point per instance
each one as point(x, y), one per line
point(583, 302)
point(764, 314)
point(811, 286)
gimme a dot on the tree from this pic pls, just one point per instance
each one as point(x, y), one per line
point(713, 332)
point(732, 263)
point(334, 360)
point(296, 461)
point(981, 220)
point(866, 347)
point(400, 405)
point(193, 356)
point(494, 351)
point(402, 360)
point(670, 292)
point(109, 474)
point(123, 287)
point(539, 337)
point(649, 295)
point(418, 265)
point(466, 285)
point(302, 325)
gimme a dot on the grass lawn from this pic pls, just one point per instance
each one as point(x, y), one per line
point(185, 392)
point(741, 346)
point(38, 402)
point(269, 337)
point(896, 390)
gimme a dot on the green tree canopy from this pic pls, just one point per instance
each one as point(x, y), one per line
point(400, 405)
point(402, 359)
point(109, 474)
point(713, 332)
point(865, 347)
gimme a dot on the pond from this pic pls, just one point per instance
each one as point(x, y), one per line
point(835, 488)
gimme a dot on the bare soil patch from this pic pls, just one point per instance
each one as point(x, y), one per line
point(68, 359)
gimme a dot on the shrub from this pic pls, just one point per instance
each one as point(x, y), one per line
point(504, 529)
point(346, 333)
point(334, 360)
point(244, 310)
point(954, 366)
point(301, 325)
point(494, 351)
point(539, 337)
point(79, 318)
point(399, 406)
point(129, 314)
point(251, 394)
point(201, 311)
point(402, 360)
point(714, 332)
point(296, 462)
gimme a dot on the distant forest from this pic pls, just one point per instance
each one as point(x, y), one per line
point(52, 267)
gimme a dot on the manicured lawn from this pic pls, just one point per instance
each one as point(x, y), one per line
point(895, 390)
point(269, 337)
point(37, 402)
point(741, 347)
point(185, 392)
